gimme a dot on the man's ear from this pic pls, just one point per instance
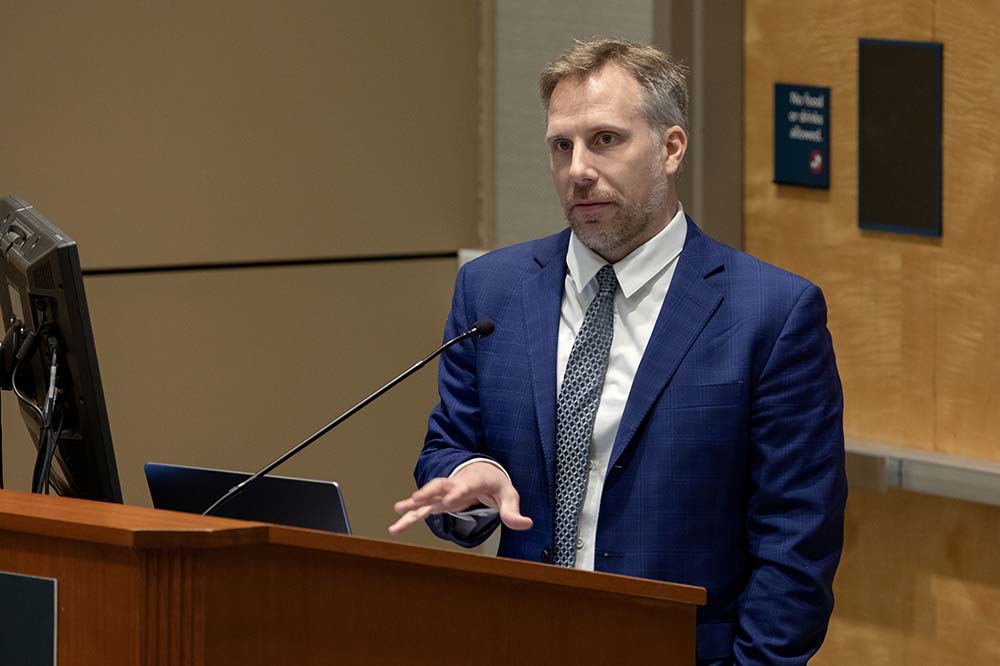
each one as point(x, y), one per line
point(674, 146)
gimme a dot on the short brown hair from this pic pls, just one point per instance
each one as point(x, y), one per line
point(662, 79)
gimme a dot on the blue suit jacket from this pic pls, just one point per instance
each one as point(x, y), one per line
point(727, 470)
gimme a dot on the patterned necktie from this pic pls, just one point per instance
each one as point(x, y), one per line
point(582, 384)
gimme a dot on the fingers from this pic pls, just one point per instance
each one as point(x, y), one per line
point(411, 504)
point(431, 490)
point(510, 511)
point(485, 483)
point(436, 496)
point(460, 497)
point(440, 494)
point(408, 519)
point(430, 493)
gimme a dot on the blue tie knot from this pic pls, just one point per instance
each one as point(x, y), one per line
point(606, 279)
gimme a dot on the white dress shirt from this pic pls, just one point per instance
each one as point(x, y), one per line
point(643, 277)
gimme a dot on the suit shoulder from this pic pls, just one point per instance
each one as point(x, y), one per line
point(513, 262)
point(749, 270)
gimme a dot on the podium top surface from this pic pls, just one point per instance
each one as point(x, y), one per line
point(120, 525)
point(150, 529)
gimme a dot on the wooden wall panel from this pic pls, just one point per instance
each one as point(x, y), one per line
point(913, 318)
point(968, 284)
point(191, 132)
point(919, 583)
point(886, 366)
point(230, 368)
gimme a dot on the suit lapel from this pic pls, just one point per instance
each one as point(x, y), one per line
point(689, 304)
point(542, 299)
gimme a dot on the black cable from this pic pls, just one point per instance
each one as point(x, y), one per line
point(46, 446)
point(10, 339)
point(50, 451)
point(28, 349)
point(37, 483)
point(12, 382)
point(23, 398)
point(42, 433)
point(1, 454)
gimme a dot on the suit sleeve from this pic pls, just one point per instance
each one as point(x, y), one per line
point(455, 429)
point(798, 492)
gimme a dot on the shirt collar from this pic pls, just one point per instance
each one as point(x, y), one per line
point(639, 267)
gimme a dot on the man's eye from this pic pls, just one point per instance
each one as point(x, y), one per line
point(562, 145)
point(607, 139)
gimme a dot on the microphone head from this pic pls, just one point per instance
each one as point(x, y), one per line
point(483, 328)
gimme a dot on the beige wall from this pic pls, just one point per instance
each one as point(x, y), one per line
point(913, 319)
point(188, 132)
point(201, 132)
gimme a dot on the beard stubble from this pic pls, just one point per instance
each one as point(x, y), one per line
point(630, 221)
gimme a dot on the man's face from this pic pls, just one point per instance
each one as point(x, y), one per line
point(610, 168)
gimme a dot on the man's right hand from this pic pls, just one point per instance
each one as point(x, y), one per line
point(478, 483)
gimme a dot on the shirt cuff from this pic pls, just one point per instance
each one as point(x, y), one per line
point(475, 460)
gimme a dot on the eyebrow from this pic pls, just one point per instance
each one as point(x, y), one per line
point(604, 127)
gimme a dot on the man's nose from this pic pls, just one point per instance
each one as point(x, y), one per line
point(581, 168)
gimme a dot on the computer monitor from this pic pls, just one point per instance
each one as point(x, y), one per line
point(47, 332)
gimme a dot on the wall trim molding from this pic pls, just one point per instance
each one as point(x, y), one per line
point(881, 466)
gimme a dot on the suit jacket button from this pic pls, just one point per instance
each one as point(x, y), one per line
point(546, 555)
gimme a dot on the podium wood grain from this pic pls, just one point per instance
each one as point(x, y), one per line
point(141, 586)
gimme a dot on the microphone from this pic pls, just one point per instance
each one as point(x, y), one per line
point(480, 329)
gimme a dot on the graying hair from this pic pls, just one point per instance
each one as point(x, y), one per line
point(662, 79)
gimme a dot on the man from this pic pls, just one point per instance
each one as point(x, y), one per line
point(652, 403)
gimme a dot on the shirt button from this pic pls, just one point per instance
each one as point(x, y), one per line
point(591, 465)
point(579, 544)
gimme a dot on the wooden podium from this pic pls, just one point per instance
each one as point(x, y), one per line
point(144, 587)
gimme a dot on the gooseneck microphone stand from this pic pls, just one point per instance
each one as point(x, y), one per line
point(480, 329)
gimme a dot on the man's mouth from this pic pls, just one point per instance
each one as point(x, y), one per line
point(588, 206)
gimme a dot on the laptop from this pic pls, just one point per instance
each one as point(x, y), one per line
point(316, 505)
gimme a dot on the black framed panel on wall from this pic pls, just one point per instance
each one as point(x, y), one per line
point(900, 91)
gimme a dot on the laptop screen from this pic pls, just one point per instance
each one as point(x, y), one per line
point(282, 500)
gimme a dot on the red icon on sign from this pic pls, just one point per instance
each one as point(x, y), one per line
point(815, 161)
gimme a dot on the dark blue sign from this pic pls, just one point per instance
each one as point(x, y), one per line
point(27, 620)
point(801, 135)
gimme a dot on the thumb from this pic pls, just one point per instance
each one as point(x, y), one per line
point(510, 511)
